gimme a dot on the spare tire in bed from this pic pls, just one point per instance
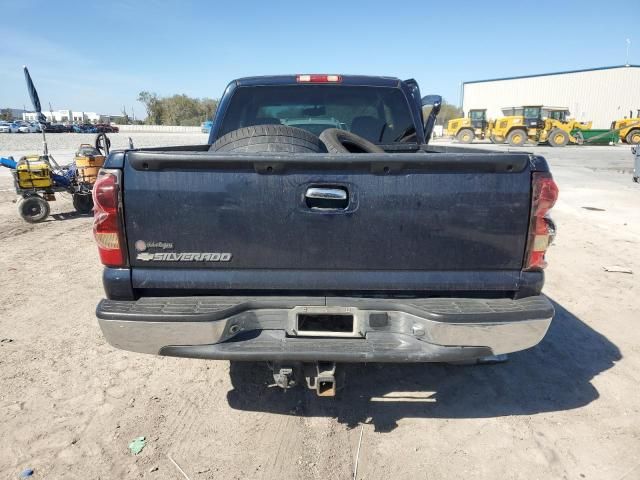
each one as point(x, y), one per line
point(268, 138)
point(341, 141)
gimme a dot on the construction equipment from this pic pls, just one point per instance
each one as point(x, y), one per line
point(467, 129)
point(88, 161)
point(559, 129)
point(38, 178)
point(538, 124)
point(517, 125)
point(629, 128)
point(33, 172)
point(597, 137)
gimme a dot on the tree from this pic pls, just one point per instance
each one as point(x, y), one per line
point(6, 114)
point(153, 106)
point(448, 112)
point(123, 119)
point(180, 110)
point(209, 107)
point(177, 109)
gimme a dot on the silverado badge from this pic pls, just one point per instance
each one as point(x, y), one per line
point(184, 257)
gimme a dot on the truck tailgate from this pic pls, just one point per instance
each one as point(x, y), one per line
point(214, 219)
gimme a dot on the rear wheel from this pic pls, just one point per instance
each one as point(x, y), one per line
point(83, 203)
point(517, 138)
point(558, 138)
point(465, 136)
point(33, 209)
point(633, 137)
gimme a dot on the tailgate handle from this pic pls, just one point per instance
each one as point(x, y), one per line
point(325, 198)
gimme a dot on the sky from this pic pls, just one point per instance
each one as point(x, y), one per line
point(97, 56)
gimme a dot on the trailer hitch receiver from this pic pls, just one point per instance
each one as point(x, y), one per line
point(321, 377)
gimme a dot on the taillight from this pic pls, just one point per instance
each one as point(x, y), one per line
point(317, 78)
point(107, 224)
point(541, 229)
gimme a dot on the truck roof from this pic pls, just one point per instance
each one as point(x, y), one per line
point(360, 80)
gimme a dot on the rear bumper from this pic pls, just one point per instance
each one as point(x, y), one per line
point(386, 330)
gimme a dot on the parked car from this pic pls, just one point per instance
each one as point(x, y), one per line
point(26, 127)
point(205, 127)
point(5, 127)
point(261, 246)
point(57, 128)
point(106, 128)
point(83, 128)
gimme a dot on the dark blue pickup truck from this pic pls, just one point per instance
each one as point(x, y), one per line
point(319, 226)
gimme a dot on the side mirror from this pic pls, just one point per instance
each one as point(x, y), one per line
point(432, 100)
point(435, 102)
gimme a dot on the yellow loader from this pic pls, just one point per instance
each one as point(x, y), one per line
point(629, 128)
point(538, 124)
point(467, 129)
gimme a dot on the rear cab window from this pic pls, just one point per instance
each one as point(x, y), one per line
point(379, 114)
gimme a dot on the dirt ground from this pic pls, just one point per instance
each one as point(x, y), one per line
point(567, 409)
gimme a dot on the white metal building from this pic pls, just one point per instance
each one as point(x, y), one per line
point(66, 116)
point(598, 94)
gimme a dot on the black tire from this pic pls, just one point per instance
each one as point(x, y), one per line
point(268, 139)
point(558, 138)
point(633, 137)
point(341, 141)
point(33, 209)
point(517, 137)
point(465, 135)
point(83, 203)
point(103, 143)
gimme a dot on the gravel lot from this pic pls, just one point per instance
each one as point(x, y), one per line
point(568, 408)
point(64, 145)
